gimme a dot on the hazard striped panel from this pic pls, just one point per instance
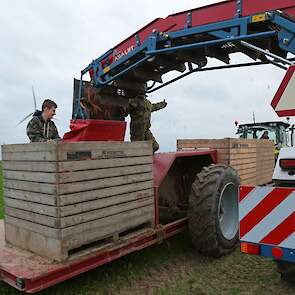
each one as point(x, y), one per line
point(267, 215)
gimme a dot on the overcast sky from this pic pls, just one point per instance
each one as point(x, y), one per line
point(47, 43)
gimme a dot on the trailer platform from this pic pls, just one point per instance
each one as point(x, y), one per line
point(31, 273)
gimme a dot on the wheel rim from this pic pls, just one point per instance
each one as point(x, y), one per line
point(228, 211)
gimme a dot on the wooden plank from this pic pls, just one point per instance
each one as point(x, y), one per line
point(242, 151)
point(103, 163)
point(108, 153)
point(76, 176)
point(103, 145)
point(35, 242)
point(242, 173)
point(104, 150)
point(216, 143)
point(65, 151)
point(242, 143)
point(43, 177)
point(249, 182)
point(29, 147)
point(242, 156)
point(65, 177)
point(112, 153)
point(30, 156)
point(244, 166)
point(97, 227)
point(32, 207)
point(34, 227)
point(53, 248)
point(43, 188)
point(265, 173)
point(30, 196)
point(78, 218)
point(270, 165)
point(248, 176)
point(105, 212)
point(105, 202)
point(68, 188)
point(33, 217)
point(104, 192)
point(243, 161)
point(104, 232)
point(30, 166)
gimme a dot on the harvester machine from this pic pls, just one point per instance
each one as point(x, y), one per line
point(190, 185)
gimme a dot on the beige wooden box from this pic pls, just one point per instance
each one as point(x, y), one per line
point(253, 159)
point(60, 197)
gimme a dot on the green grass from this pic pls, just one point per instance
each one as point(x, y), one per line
point(235, 274)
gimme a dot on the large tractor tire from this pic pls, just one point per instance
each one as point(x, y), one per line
point(287, 271)
point(213, 210)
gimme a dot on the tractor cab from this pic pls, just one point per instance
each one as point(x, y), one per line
point(278, 132)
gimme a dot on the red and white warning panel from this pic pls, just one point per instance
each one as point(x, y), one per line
point(267, 215)
point(284, 101)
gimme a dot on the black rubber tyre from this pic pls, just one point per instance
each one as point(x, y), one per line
point(211, 188)
point(287, 271)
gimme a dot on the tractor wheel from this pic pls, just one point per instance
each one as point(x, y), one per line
point(287, 271)
point(213, 210)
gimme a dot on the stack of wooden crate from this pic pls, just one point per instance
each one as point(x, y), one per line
point(253, 159)
point(59, 197)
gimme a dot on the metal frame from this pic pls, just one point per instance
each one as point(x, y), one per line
point(224, 32)
point(234, 30)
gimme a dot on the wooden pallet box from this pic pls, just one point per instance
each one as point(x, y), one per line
point(253, 159)
point(60, 197)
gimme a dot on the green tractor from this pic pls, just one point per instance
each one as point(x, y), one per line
point(279, 132)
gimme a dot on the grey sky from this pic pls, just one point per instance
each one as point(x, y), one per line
point(47, 43)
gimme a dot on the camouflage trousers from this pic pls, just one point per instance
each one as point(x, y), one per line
point(140, 123)
point(139, 132)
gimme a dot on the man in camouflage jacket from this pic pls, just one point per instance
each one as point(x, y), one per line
point(140, 109)
point(41, 128)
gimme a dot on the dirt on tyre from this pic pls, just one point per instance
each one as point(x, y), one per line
point(287, 271)
point(213, 210)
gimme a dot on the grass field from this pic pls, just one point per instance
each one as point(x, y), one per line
point(173, 268)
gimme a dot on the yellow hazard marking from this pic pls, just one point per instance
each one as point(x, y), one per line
point(258, 18)
point(106, 69)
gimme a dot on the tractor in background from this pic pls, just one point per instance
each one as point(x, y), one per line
point(281, 133)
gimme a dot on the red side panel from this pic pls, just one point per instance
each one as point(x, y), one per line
point(290, 12)
point(252, 7)
point(95, 130)
point(200, 16)
point(221, 11)
point(164, 161)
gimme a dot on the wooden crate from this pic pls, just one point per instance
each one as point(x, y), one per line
point(60, 197)
point(253, 159)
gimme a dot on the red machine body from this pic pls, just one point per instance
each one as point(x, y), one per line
point(95, 130)
point(222, 11)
